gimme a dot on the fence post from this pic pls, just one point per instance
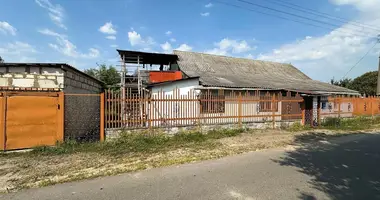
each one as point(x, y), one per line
point(273, 110)
point(240, 110)
point(372, 114)
point(102, 134)
point(150, 113)
point(303, 106)
point(319, 111)
point(200, 110)
point(338, 102)
point(3, 111)
point(61, 131)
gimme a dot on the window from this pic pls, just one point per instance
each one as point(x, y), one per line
point(324, 105)
point(266, 106)
point(211, 102)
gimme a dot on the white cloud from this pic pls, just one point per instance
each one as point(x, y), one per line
point(18, 52)
point(66, 47)
point(50, 33)
point(135, 39)
point(367, 5)
point(173, 40)
point(17, 48)
point(108, 28)
point(168, 33)
point(184, 47)
point(56, 12)
point(216, 51)
point(114, 45)
point(226, 46)
point(111, 37)
point(167, 47)
point(209, 5)
point(206, 14)
point(335, 52)
point(6, 28)
point(249, 56)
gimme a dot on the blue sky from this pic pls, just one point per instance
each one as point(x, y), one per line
point(86, 32)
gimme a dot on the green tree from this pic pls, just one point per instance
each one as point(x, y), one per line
point(342, 83)
point(365, 84)
point(108, 74)
point(1, 60)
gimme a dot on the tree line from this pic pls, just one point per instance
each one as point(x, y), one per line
point(366, 84)
point(107, 74)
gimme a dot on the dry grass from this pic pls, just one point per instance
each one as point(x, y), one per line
point(46, 166)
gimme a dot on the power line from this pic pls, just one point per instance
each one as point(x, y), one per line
point(323, 14)
point(361, 58)
point(291, 14)
point(286, 18)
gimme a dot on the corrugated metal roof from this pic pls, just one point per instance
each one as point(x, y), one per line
point(223, 71)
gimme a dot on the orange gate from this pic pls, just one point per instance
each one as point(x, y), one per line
point(30, 119)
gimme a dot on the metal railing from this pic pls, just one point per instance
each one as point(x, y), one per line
point(199, 107)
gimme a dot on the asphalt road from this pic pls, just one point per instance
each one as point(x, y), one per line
point(345, 168)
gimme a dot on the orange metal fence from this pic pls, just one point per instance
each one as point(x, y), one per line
point(198, 107)
point(38, 118)
point(350, 107)
point(30, 119)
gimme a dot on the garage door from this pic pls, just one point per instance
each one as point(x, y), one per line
point(31, 121)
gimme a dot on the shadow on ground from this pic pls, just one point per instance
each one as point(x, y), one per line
point(342, 170)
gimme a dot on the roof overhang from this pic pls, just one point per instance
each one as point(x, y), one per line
point(139, 57)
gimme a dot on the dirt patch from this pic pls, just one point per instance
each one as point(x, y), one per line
point(21, 170)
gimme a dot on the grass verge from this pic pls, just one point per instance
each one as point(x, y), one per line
point(72, 161)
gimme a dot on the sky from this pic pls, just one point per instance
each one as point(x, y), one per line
point(86, 33)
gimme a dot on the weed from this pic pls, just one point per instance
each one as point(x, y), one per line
point(139, 143)
point(297, 126)
point(356, 123)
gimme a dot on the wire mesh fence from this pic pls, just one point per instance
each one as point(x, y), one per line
point(82, 117)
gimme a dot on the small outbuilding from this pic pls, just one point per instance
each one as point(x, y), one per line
point(42, 103)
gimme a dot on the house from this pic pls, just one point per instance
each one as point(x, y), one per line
point(47, 102)
point(223, 78)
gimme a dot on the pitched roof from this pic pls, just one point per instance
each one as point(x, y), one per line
point(223, 71)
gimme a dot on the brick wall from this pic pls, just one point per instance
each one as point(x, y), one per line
point(80, 84)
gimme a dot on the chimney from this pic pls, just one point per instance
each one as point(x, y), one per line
point(378, 80)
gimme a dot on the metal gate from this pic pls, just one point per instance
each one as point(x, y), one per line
point(30, 119)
